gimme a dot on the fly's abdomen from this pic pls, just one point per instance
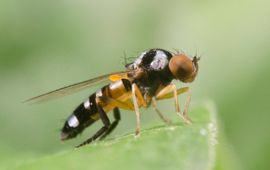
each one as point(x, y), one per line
point(120, 90)
point(84, 115)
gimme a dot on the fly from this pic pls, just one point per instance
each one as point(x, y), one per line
point(146, 80)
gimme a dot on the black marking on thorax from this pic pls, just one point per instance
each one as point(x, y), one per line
point(155, 64)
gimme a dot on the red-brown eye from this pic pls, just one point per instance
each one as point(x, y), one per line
point(183, 67)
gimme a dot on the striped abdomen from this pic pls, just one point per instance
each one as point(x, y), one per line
point(86, 113)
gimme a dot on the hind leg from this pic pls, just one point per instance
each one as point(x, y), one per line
point(117, 117)
point(106, 122)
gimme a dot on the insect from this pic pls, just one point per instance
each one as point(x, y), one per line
point(146, 80)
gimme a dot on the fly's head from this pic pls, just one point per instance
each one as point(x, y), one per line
point(184, 68)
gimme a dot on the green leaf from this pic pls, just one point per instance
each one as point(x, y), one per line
point(179, 146)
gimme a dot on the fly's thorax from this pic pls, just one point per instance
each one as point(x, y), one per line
point(153, 59)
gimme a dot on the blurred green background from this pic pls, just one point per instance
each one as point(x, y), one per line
point(48, 44)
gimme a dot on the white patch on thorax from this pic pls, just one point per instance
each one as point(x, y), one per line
point(73, 121)
point(160, 61)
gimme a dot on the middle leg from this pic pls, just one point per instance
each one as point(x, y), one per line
point(137, 97)
point(165, 120)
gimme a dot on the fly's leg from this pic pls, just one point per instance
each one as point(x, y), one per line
point(105, 120)
point(183, 114)
point(117, 117)
point(136, 108)
point(137, 97)
point(166, 120)
point(171, 91)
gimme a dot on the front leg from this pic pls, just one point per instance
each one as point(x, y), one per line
point(162, 117)
point(171, 91)
point(183, 114)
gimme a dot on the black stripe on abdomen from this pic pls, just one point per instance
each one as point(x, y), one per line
point(81, 118)
point(86, 109)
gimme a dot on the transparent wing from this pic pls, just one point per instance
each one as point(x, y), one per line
point(72, 88)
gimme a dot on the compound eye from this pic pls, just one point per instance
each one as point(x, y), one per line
point(182, 68)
